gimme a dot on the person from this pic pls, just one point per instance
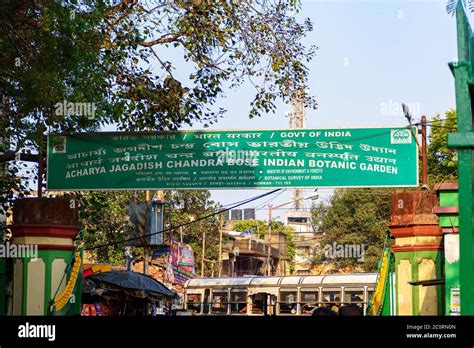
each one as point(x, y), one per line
point(307, 308)
point(335, 306)
point(323, 311)
point(351, 310)
point(358, 301)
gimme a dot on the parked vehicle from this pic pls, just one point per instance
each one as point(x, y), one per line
point(290, 295)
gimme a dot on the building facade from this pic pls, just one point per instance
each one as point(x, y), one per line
point(246, 255)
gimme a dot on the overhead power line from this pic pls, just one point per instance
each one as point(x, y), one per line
point(186, 224)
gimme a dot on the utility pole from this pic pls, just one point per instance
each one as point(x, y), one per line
point(164, 267)
point(424, 151)
point(203, 252)
point(220, 245)
point(270, 220)
point(424, 154)
point(258, 228)
point(158, 197)
point(270, 206)
point(269, 268)
point(145, 248)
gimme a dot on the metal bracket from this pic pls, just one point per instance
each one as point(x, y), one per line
point(461, 140)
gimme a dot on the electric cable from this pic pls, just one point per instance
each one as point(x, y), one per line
point(185, 224)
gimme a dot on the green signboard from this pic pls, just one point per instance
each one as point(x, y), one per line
point(233, 159)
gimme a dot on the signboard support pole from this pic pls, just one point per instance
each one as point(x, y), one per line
point(145, 248)
point(220, 245)
point(463, 142)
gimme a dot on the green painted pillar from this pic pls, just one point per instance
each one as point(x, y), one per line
point(463, 141)
point(418, 253)
point(50, 226)
point(447, 211)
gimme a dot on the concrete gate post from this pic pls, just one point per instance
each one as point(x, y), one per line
point(418, 253)
point(448, 213)
point(50, 225)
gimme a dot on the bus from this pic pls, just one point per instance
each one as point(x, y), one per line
point(276, 295)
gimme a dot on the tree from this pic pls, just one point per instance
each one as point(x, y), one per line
point(442, 160)
point(452, 4)
point(354, 217)
point(188, 206)
point(104, 220)
point(258, 227)
point(112, 54)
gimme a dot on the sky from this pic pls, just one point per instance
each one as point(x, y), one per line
point(372, 56)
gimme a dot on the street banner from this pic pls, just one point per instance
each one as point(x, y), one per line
point(185, 255)
point(356, 157)
point(180, 263)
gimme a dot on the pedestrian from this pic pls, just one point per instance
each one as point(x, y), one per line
point(323, 311)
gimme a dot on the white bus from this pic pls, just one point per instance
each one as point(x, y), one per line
point(290, 295)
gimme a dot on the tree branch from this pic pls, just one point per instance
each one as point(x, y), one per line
point(10, 156)
point(162, 40)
